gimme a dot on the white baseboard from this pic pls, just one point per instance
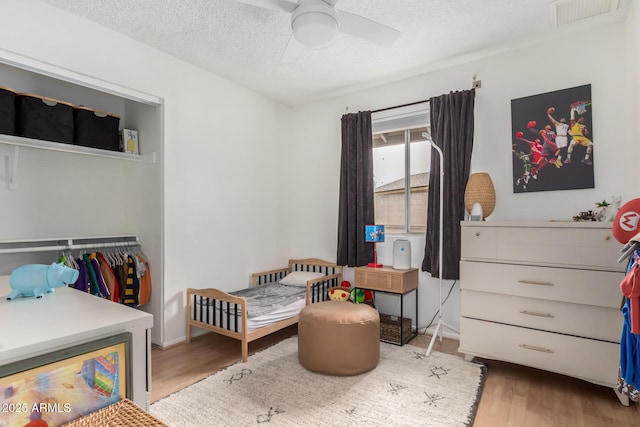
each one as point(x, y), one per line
point(182, 339)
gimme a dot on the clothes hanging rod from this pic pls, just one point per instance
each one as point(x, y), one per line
point(400, 106)
point(71, 246)
point(33, 249)
point(104, 245)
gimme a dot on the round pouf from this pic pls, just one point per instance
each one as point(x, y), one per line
point(339, 338)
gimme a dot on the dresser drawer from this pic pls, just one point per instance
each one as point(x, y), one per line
point(574, 319)
point(595, 361)
point(478, 243)
point(599, 288)
point(386, 279)
point(380, 281)
point(592, 246)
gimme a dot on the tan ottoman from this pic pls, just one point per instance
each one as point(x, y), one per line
point(339, 338)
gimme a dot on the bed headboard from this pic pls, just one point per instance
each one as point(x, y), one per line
point(307, 264)
point(315, 264)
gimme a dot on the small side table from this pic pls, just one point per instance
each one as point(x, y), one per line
point(389, 280)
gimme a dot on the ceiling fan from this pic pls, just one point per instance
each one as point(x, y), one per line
point(315, 23)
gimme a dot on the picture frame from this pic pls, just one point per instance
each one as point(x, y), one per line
point(66, 384)
point(552, 141)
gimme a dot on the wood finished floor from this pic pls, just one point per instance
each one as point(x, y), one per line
point(513, 395)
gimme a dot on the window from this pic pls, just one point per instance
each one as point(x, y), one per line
point(401, 162)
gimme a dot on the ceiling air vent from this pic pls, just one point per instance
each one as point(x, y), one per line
point(570, 11)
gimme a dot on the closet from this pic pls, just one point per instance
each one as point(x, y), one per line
point(42, 331)
point(114, 268)
point(49, 190)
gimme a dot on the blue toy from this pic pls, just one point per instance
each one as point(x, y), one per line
point(33, 280)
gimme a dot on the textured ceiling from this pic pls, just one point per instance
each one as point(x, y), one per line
point(244, 43)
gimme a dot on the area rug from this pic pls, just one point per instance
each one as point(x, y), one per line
point(407, 388)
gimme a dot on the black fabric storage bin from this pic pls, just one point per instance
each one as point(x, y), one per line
point(96, 129)
point(7, 111)
point(44, 118)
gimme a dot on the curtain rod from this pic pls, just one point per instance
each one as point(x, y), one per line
point(400, 106)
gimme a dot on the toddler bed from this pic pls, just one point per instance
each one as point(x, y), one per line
point(271, 303)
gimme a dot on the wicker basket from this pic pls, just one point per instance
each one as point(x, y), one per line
point(124, 413)
point(390, 328)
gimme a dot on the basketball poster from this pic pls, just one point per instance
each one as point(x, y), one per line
point(552, 141)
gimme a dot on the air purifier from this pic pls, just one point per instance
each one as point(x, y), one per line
point(401, 254)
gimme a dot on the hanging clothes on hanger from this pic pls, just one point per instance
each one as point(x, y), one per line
point(120, 273)
point(82, 284)
point(93, 280)
point(145, 280)
point(109, 277)
point(102, 285)
point(132, 284)
point(629, 373)
point(630, 287)
point(120, 269)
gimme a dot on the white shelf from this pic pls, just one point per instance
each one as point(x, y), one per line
point(67, 148)
point(17, 141)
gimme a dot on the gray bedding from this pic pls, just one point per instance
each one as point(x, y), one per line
point(264, 299)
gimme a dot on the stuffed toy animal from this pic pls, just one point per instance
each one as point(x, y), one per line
point(358, 295)
point(34, 280)
point(339, 294)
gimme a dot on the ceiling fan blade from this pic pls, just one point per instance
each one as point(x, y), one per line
point(367, 29)
point(292, 51)
point(286, 5)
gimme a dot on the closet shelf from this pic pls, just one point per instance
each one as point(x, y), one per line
point(67, 148)
point(16, 142)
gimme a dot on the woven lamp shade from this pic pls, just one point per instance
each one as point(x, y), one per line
point(480, 189)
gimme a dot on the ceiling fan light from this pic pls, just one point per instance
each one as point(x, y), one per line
point(314, 29)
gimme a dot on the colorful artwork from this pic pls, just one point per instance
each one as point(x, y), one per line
point(374, 233)
point(552, 141)
point(74, 383)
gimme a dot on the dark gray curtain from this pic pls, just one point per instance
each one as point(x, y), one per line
point(356, 190)
point(452, 131)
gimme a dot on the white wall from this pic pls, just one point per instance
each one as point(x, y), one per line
point(598, 56)
point(221, 142)
point(633, 47)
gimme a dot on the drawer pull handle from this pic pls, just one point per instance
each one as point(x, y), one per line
point(477, 233)
point(531, 347)
point(607, 237)
point(533, 313)
point(534, 282)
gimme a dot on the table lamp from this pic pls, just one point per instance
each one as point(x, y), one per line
point(480, 190)
point(374, 234)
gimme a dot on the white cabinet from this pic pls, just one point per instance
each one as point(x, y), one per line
point(544, 295)
point(66, 318)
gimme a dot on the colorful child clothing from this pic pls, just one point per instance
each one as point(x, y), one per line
point(629, 373)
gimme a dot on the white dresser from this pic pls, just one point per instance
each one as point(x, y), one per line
point(543, 294)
